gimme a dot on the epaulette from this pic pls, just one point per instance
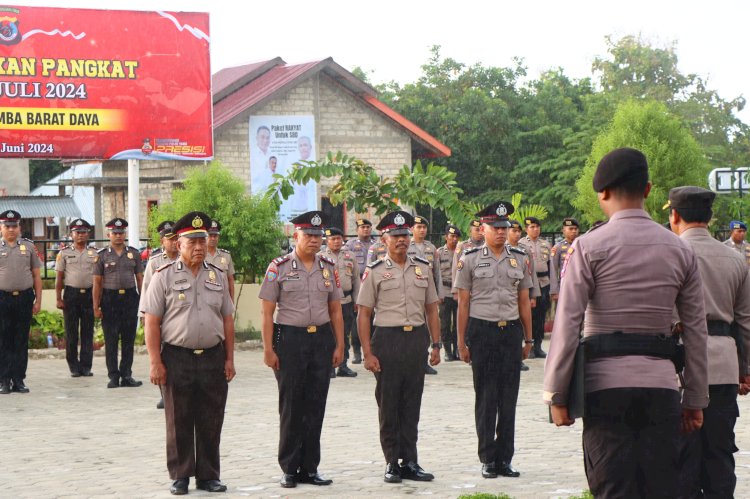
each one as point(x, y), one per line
point(25, 239)
point(469, 251)
point(165, 266)
point(158, 255)
point(65, 246)
point(423, 260)
point(517, 250)
point(375, 263)
point(132, 248)
point(101, 250)
point(281, 259)
point(214, 266)
point(595, 226)
point(224, 251)
point(327, 260)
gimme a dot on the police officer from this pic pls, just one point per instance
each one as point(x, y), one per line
point(494, 320)
point(20, 298)
point(737, 239)
point(448, 306)
point(218, 256)
point(348, 270)
point(118, 275)
point(301, 347)
point(75, 273)
point(402, 293)
point(360, 247)
point(378, 250)
point(476, 239)
point(540, 251)
point(166, 253)
point(190, 340)
point(514, 241)
point(706, 461)
point(559, 254)
point(623, 289)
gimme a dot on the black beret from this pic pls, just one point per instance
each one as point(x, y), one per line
point(10, 217)
point(396, 223)
point(496, 214)
point(334, 231)
point(619, 166)
point(117, 225)
point(363, 221)
point(532, 220)
point(452, 229)
point(192, 225)
point(690, 197)
point(214, 227)
point(476, 223)
point(166, 229)
point(79, 225)
point(310, 222)
point(514, 224)
point(570, 222)
point(420, 220)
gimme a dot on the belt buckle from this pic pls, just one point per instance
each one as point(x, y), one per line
point(15, 293)
point(82, 291)
point(502, 323)
point(408, 328)
point(312, 329)
point(198, 351)
point(121, 291)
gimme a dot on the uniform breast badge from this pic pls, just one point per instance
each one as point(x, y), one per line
point(181, 296)
point(513, 262)
point(418, 271)
point(130, 255)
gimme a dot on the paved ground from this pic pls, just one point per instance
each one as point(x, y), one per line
point(74, 438)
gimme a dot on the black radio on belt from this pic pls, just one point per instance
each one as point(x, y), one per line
point(619, 344)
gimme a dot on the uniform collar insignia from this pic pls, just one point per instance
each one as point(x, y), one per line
point(485, 251)
point(388, 262)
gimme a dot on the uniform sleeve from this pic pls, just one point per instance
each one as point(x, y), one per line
point(98, 265)
point(138, 262)
point(336, 293)
point(463, 275)
point(155, 300)
point(371, 254)
point(690, 307)
point(35, 261)
point(356, 282)
point(436, 273)
point(554, 281)
point(527, 282)
point(456, 257)
point(367, 290)
point(148, 274)
point(535, 291)
point(227, 306)
point(742, 320)
point(432, 295)
point(269, 289)
point(60, 262)
point(230, 267)
point(574, 297)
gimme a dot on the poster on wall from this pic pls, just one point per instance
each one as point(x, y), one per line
point(276, 143)
point(104, 84)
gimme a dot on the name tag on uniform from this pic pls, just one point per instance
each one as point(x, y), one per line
point(485, 264)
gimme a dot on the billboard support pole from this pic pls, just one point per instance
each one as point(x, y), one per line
point(134, 215)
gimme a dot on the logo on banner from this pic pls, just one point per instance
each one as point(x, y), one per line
point(9, 32)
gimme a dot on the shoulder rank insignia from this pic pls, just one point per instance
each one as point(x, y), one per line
point(327, 259)
point(375, 263)
point(469, 251)
point(224, 251)
point(215, 267)
point(281, 259)
point(517, 250)
point(423, 260)
point(101, 250)
point(595, 226)
point(165, 266)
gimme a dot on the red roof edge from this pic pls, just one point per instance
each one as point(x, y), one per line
point(440, 150)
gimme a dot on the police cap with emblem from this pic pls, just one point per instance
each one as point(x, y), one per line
point(194, 224)
point(452, 229)
point(532, 220)
point(514, 224)
point(214, 227)
point(363, 221)
point(334, 231)
point(691, 202)
point(570, 222)
point(166, 229)
point(311, 222)
point(79, 225)
point(621, 167)
point(737, 224)
point(420, 220)
point(10, 217)
point(496, 214)
point(117, 225)
point(396, 223)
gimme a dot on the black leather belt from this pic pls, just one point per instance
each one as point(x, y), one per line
point(192, 351)
point(447, 283)
point(347, 293)
point(495, 324)
point(118, 291)
point(306, 329)
point(542, 274)
point(79, 290)
point(407, 329)
point(15, 294)
point(719, 328)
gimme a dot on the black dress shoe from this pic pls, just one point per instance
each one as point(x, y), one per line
point(357, 358)
point(130, 382)
point(524, 367)
point(75, 374)
point(4, 387)
point(539, 353)
point(19, 386)
point(113, 383)
point(392, 473)
point(87, 373)
point(160, 404)
point(429, 370)
point(489, 470)
point(345, 372)
point(412, 471)
point(179, 487)
point(532, 354)
point(508, 470)
point(333, 373)
point(288, 481)
point(210, 485)
point(313, 479)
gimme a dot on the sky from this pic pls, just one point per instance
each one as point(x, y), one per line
point(391, 39)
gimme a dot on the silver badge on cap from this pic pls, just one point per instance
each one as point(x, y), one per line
point(167, 227)
point(213, 223)
point(118, 223)
point(316, 220)
point(501, 210)
point(399, 219)
point(11, 214)
point(79, 223)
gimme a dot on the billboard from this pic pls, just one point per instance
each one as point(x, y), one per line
point(104, 84)
point(276, 143)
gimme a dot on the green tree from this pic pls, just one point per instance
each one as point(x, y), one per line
point(42, 170)
point(674, 157)
point(250, 228)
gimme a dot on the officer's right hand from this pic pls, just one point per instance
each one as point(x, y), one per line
point(464, 353)
point(271, 359)
point(158, 373)
point(744, 387)
point(60, 304)
point(560, 415)
point(554, 296)
point(98, 313)
point(372, 363)
point(692, 419)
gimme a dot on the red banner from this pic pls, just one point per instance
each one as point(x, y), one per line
point(101, 84)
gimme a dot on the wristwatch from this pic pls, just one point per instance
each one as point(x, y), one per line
point(437, 345)
point(529, 342)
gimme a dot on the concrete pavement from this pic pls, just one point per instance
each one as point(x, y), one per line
point(74, 438)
